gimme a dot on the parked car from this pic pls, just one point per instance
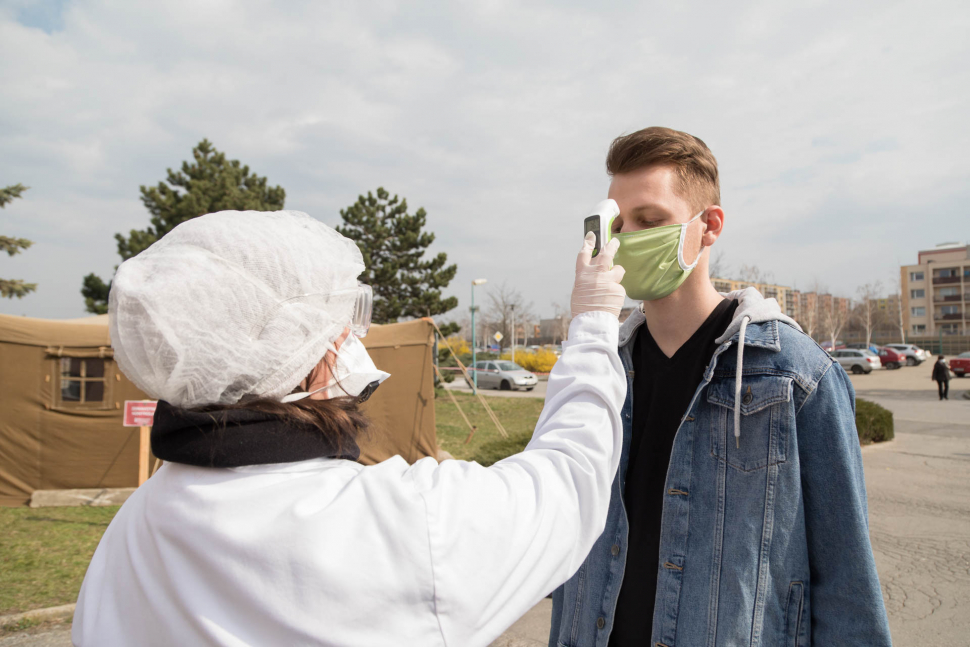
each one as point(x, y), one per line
point(891, 358)
point(914, 354)
point(827, 345)
point(857, 361)
point(505, 375)
point(960, 365)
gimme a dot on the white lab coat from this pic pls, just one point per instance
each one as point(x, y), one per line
point(330, 552)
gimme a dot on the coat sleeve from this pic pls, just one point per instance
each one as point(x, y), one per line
point(501, 538)
point(845, 598)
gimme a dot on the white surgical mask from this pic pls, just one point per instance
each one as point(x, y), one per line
point(353, 373)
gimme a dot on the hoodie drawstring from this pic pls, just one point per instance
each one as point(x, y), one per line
point(737, 383)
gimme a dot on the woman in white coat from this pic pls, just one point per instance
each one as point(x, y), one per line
point(259, 528)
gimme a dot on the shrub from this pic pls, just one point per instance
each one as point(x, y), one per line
point(873, 422)
point(540, 361)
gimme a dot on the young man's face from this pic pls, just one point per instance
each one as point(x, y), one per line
point(648, 198)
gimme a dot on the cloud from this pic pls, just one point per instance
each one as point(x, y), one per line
point(839, 128)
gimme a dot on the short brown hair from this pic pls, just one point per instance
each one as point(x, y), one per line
point(656, 146)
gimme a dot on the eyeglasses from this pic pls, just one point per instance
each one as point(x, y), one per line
point(363, 296)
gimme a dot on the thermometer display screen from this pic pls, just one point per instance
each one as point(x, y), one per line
point(592, 224)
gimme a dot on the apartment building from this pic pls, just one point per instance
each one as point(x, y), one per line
point(780, 293)
point(936, 291)
point(809, 305)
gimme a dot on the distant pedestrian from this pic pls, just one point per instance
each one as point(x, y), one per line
point(941, 373)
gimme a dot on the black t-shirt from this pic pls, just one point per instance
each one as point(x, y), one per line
point(662, 390)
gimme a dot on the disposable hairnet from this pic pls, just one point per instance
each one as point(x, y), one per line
point(232, 304)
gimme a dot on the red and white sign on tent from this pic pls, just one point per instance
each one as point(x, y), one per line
point(139, 413)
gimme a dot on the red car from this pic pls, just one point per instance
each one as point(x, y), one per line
point(960, 365)
point(891, 358)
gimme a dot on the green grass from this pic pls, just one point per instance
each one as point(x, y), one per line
point(517, 415)
point(44, 553)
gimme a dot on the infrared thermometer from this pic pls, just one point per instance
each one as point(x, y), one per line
point(600, 222)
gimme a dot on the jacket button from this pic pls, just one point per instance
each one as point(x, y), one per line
point(615, 550)
point(747, 398)
point(600, 623)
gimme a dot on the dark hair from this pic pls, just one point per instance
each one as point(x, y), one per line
point(689, 156)
point(338, 419)
point(940, 357)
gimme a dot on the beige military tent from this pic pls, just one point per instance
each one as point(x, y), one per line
point(62, 398)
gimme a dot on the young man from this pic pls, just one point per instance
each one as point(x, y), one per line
point(738, 515)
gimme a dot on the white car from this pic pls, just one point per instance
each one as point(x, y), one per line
point(857, 361)
point(914, 354)
point(505, 375)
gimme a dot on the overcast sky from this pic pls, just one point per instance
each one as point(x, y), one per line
point(840, 128)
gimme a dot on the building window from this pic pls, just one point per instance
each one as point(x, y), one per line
point(916, 276)
point(951, 310)
point(917, 294)
point(950, 329)
point(947, 273)
point(82, 383)
point(919, 311)
point(919, 329)
point(949, 292)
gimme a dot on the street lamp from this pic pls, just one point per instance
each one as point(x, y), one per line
point(474, 346)
point(512, 308)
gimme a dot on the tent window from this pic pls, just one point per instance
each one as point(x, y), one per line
point(82, 381)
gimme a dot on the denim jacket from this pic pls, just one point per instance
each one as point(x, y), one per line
point(764, 534)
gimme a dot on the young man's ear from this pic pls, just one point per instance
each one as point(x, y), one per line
point(714, 221)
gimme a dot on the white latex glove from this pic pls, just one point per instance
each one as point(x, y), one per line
point(597, 287)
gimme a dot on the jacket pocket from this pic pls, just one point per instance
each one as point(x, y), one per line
point(766, 414)
point(796, 632)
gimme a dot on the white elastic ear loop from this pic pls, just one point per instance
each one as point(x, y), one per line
point(293, 397)
point(680, 246)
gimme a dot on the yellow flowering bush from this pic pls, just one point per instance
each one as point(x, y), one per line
point(540, 361)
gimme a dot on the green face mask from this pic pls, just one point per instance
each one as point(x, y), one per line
point(654, 260)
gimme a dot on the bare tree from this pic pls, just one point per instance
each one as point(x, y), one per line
point(833, 319)
point(866, 313)
point(503, 300)
point(750, 274)
point(563, 317)
point(809, 311)
point(898, 315)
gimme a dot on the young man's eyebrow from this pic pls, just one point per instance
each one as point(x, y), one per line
point(649, 210)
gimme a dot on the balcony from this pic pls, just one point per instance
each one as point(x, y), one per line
point(943, 299)
point(957, 316)
point(943, 280)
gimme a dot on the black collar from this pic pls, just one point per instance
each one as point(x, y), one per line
point(238, 437)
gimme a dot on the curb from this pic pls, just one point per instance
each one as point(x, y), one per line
point(881, 443)
point(39, 615)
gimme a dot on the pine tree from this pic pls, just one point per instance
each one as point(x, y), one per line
point(10, 288)
point(211, 183)
point(393, 244)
